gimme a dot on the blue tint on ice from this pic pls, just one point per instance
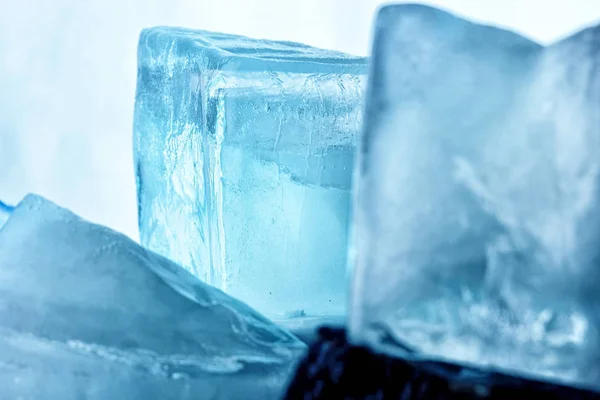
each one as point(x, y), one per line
point(5, 211)
point(244, 151)
point(87, 313)
point(478, 220)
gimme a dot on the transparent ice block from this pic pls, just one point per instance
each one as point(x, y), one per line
point(244, 151)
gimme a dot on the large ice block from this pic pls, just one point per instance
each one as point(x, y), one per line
point(477, 224)
point(244, 151)
point(87, 313)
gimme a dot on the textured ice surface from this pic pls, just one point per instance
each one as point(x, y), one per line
point(244, 152)
point(87, 313)
point(5, 211)
point(477, 228)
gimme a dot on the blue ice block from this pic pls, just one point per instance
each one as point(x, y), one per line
point(87, 313)
point(244, 151)
point(477, 223)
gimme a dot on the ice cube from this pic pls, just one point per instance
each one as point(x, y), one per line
point(477, 223)
point(244, 151)
point(87, 313)
point(5, 211)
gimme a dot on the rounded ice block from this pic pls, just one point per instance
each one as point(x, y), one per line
point(244, 151)
point(477, 224)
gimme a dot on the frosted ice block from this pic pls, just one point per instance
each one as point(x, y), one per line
point(85, 312)
point(244, 151)
point(477, 227)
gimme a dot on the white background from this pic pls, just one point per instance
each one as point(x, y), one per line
point(68, 70)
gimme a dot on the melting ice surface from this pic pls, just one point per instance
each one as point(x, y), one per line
point(478, 218)
point(87, 313)
point(244, 152)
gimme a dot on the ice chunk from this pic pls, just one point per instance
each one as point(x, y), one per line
point(40, 369)
point(87, 313)
point(477, 225)
point(5, 211)
point(244, 151)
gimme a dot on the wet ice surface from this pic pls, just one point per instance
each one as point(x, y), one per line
point(244, 155)
point(477, 224)
point(87, 313)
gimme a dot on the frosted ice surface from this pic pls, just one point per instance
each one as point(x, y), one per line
point(5, 211)
point(244, 152)
point(477, 225)
point(87, 313)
